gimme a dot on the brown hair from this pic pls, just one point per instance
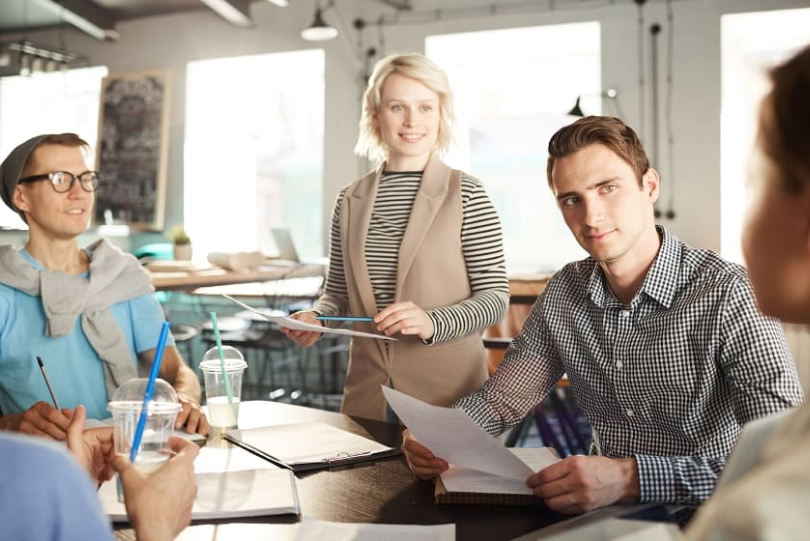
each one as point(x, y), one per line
point(61, 139)
point(784, 127)
point(602, 130)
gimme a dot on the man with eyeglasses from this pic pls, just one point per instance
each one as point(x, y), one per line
point(89, 313)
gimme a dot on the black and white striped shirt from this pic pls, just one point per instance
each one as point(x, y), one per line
point(482, 246)
point(668, 379)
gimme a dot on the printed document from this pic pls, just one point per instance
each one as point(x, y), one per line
point(451, 435)
point(458, 479)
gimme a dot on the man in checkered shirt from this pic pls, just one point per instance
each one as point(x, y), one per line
point(665, 349)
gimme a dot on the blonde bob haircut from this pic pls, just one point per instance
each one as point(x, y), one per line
point(417, 67)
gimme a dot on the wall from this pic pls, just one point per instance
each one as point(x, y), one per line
point(173, 41)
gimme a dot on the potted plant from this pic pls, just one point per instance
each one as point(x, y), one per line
point(182, 244)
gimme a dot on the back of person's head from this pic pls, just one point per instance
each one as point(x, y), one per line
point(784, 125)
point(21, 160)
point(777, 226)
point(598, 130)
point(421, 69)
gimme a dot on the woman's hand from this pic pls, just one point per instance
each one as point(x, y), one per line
point(303, 338)
point(405, 318)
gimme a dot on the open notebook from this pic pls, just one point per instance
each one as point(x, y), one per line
point(231, 483)
point(228, 494)
point(461, 485)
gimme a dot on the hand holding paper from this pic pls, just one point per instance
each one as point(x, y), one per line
point(290, 323)
point(453, 436)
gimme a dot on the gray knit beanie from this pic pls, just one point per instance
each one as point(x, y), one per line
point(12, 168)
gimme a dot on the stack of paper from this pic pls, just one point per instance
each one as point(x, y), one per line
point(451, 435)
point(482, 470)
point(462, 485)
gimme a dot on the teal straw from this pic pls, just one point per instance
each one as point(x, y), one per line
point(221, 358)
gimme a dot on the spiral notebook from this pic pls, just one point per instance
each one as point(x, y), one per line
point(309, 446)
point(464, 486)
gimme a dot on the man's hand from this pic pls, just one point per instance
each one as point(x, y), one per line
point(159, 504)
point(93, 449)
point(581, 483)
point(41, 419)
point(303, 338)
point(405, 318)
point(420, 460)
point(191, 416)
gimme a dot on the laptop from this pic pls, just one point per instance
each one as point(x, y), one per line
point(747, 451)
point(285, 247)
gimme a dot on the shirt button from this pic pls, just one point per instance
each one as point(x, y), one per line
point(629, 412)
point(619, 364)
point(625, 313)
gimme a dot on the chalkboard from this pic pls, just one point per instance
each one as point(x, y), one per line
point(132, 149)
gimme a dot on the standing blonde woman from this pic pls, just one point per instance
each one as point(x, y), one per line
point(414, 244)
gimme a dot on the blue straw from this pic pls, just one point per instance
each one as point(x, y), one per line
point(344, 318)
point(150, 389)
point(221, 357)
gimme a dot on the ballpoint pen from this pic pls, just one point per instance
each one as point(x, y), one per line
point(48, 382)
point(344, 318)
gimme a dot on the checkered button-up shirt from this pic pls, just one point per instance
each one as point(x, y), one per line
point(669, 379)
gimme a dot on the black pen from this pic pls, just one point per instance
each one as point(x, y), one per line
point(48, 382)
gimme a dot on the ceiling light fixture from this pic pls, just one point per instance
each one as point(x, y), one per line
point(609, 94)
point(236, 12)
point(25, 57)
point(319, 30)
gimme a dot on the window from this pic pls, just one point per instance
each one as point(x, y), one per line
point(47, 103)
point(752, 43)
point(254, 151)
point(508, 105)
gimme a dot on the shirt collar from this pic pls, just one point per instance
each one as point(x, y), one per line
point(661, 280)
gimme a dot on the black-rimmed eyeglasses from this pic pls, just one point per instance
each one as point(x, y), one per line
point(62, 181)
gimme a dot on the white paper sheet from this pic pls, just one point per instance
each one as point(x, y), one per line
point(308, 443)
point(289, 323)
point(451, 435)
point(318, 530)
point(458, 479)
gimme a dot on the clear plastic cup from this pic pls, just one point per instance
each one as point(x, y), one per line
point(223, 411)
point(161, 413)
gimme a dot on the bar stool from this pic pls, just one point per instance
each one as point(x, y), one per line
point(183, 336)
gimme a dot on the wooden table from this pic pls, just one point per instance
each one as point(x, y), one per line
point(381, 492)
point(216, 276)
point(525, 288)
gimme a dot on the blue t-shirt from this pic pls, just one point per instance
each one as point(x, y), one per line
point(46, 496)
point(75, 370)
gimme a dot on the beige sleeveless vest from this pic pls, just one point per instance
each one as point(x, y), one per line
point(432, 273)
